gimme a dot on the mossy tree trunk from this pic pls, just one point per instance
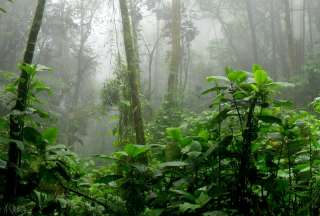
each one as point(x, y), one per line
point(133, 71)
point(135, 24)
point(16, 120)
point(175, 63)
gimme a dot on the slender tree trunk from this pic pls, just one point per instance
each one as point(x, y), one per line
point(157, 54)
point(250, 11)
point(304, 5)
point(175, 52)
point(133, 71)
point(187, 67)
point(17, 121)
point(273, 40)
point(290, 38)
point(150, 76)
point(80, 57)
point(309, 5)
point(228, 34)
point(283, 54)
point(134, 25)
point(85, 29)
point(75, 99)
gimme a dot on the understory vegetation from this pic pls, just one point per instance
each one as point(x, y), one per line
point(250, 154)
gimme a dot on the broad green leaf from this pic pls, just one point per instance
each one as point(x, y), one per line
point(203, 134)
point(31, 70)
point(135, 150)
point(256, 67)
point(39, 86)
point(185, 194)
point(188, 207)
point(153, 212)
point(50, 135)
point(283, 174)
point(261, 77)
point(174, 133)
point(217, 78)
point(203, 199)
point(236, 76)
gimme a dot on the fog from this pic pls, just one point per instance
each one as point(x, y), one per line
point(82, 41)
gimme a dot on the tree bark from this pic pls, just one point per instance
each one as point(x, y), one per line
point(282, 50)
point(273, 40)
point(309, 5)
point(135, 24)
point(252, 31)
point(175, 52)
point(303, 40)
point(289, 32)
point(157, 54)
point(133, 71)
point(16, 120)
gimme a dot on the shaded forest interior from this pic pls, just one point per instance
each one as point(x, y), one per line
point(159, 107)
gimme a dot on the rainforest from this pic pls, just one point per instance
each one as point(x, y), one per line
point(159, 107)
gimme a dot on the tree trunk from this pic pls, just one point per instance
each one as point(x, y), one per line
point(252, 31)
point(289, 32)
point(303, 35)
point(133, 71)
point(135, 24)
point(273, 41)
point(309, 5)
point(85, 30)
point(80, 54)
point(283, 54)
point(17, 121)
point(157, 55)
point(175, 52)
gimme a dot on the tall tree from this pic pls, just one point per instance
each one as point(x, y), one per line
point(252, 26)
point(135, 20)
point(289, 31)
point(281, 39)
point(17, 121)
point(87, 11)
point(175, 63)
point(273, 39)
point(133, 71)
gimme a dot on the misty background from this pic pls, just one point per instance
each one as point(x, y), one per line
point(81, 40)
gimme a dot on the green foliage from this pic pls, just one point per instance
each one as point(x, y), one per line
point(248, 155)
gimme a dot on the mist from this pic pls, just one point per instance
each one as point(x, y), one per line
point(192, 107)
